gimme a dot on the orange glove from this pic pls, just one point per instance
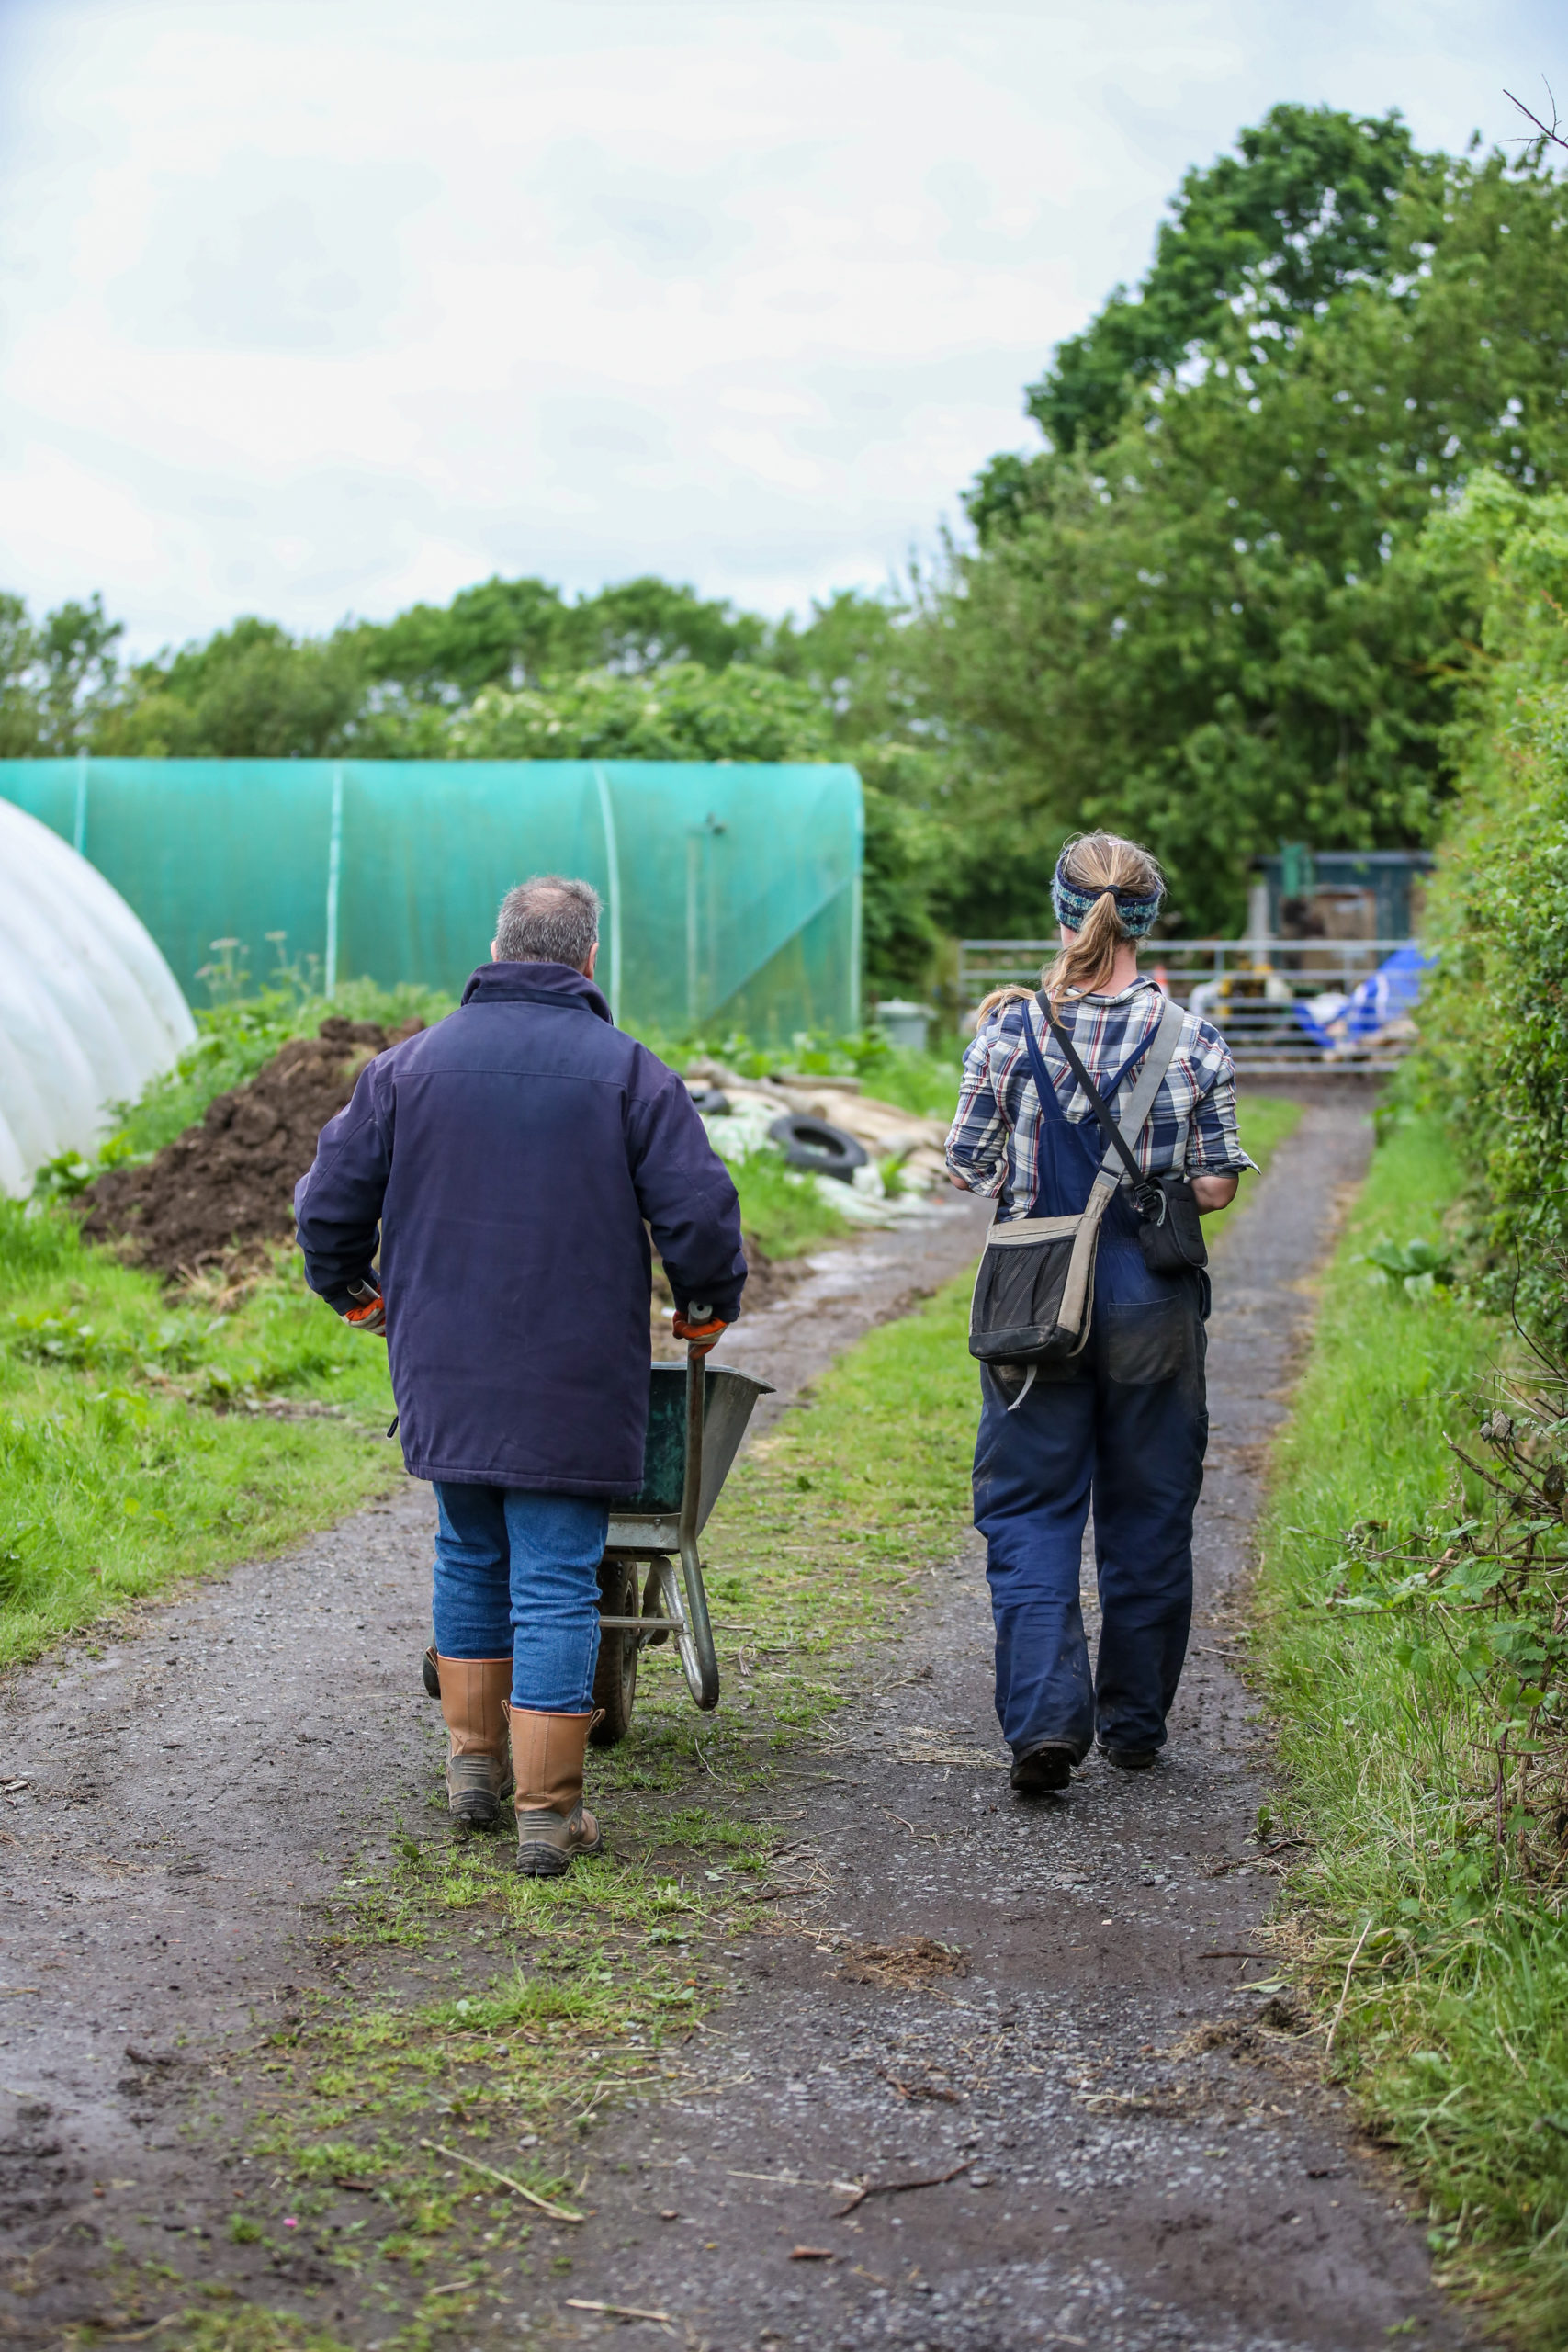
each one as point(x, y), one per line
point(370, 1310)
point(700, 1328)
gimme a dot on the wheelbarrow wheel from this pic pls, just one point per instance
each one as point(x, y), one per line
point(614, 1680)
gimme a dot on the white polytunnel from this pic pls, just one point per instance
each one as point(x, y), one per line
point(89, 1011)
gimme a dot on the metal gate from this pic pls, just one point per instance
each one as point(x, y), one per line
point(1282, 1005)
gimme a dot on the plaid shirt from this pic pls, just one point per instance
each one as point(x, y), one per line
point(992, 1143)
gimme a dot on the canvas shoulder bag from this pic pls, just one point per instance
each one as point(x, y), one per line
point(1034, 1290)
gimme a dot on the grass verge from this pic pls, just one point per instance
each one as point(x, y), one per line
point(143, 1438)
point(1446, 1982)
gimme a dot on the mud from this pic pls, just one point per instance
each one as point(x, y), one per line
point(227, 1184)
point(230, 1181)
point(1061, 2016)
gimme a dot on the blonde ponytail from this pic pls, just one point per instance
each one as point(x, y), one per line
point(1088, 959)
point(1114, 888)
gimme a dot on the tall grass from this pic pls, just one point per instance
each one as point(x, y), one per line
point(1454, 1974)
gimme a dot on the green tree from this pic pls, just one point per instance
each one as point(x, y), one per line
point(519, 633)
point(1218, 628)
point(500, 633)
point(861, 657)
point(250, 692)
point(650, 624)
point(57, 677)
point(18, 704)
point(682, 712)
point(1270, 235)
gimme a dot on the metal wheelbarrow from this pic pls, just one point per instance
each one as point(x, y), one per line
point(697, 1415)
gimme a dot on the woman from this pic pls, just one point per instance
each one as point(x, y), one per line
point(1123, 1422)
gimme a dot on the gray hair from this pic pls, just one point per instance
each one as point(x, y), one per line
point(548, 920)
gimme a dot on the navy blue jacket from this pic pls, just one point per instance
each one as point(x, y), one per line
point(510, 1157)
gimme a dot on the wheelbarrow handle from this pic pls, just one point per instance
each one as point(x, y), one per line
point(704, 1685)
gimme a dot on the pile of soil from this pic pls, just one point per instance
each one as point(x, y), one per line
point(230, 1181)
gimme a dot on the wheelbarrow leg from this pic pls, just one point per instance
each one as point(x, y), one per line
point(697, 1654)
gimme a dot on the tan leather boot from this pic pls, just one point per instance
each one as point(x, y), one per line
point(478, 1763)
point(553, 1827)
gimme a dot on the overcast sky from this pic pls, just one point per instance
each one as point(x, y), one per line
point(312, 307)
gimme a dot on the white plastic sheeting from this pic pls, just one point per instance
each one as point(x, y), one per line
point(89, 1011)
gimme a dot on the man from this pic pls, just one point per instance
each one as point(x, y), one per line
point(513, 1160)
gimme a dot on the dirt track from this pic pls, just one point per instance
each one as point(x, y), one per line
point(1146, 2162)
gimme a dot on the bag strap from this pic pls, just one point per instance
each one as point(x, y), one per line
point(1156, 1061)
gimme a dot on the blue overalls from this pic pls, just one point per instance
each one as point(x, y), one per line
point(1124, 1421)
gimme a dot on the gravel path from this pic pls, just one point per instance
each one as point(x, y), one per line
point(1142, 2154)
point(1149, 2158)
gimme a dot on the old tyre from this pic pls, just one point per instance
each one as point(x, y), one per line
point(818, 1150)
point(614, 1679)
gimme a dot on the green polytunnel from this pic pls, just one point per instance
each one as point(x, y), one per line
point(732, 892)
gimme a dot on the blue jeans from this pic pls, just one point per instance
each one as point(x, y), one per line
point(1127, 1422)
point(517, 1575)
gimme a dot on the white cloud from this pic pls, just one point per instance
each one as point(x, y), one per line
point(321, 307)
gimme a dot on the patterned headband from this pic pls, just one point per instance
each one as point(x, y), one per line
point(1073, 906)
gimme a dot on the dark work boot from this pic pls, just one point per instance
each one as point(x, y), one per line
point(1128, 1759)
point(1043, 1771)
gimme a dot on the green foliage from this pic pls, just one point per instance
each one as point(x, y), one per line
point(1413, 1268)
point(142, 1440)
point(1494, 1061)
point(925, 1082)
point(57, 677)
point(1452, 1972)
point(682, 712)
point(865, 659)
point(789, 1214)
point(1273, 233)
point(523, 632)
point(1479, 1587)
point(251, 691)
point(908, 853)
point(1223, 625)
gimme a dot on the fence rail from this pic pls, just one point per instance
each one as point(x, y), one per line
point(1273, 1000)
